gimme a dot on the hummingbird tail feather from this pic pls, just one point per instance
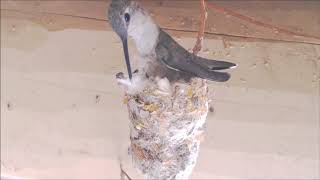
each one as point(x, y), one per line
point(214, 64)
point(214, 76)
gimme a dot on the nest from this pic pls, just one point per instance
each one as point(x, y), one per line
point(166, 128)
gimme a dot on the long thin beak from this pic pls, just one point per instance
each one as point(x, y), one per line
point(126, 55)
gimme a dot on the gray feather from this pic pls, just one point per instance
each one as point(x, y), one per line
point(171, 54)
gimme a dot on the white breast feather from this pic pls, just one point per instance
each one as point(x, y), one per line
point(144, 32)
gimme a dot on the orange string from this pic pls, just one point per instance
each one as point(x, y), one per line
point(202, 27)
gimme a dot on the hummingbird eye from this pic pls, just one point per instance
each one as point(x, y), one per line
point(127, 17)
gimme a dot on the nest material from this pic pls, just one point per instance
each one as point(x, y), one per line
point(166, 128)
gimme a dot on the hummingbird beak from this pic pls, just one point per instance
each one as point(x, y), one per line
point(126, 55)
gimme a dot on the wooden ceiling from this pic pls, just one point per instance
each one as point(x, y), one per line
point(290, 21)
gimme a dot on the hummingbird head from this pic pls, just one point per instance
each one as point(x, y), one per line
point(119, 18)
point(127, 18)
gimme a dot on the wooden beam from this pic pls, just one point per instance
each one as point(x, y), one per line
point(181, 16)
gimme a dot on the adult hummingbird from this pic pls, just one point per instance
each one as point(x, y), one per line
point(128, 19)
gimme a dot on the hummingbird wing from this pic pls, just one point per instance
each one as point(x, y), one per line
point(174, 56)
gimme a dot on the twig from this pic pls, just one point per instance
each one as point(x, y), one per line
point(123, 174)
point(203, 18)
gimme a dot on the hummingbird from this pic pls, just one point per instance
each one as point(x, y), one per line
point(129, 19)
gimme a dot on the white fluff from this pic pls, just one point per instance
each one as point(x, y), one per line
point(136, 85)
point(163, 84)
